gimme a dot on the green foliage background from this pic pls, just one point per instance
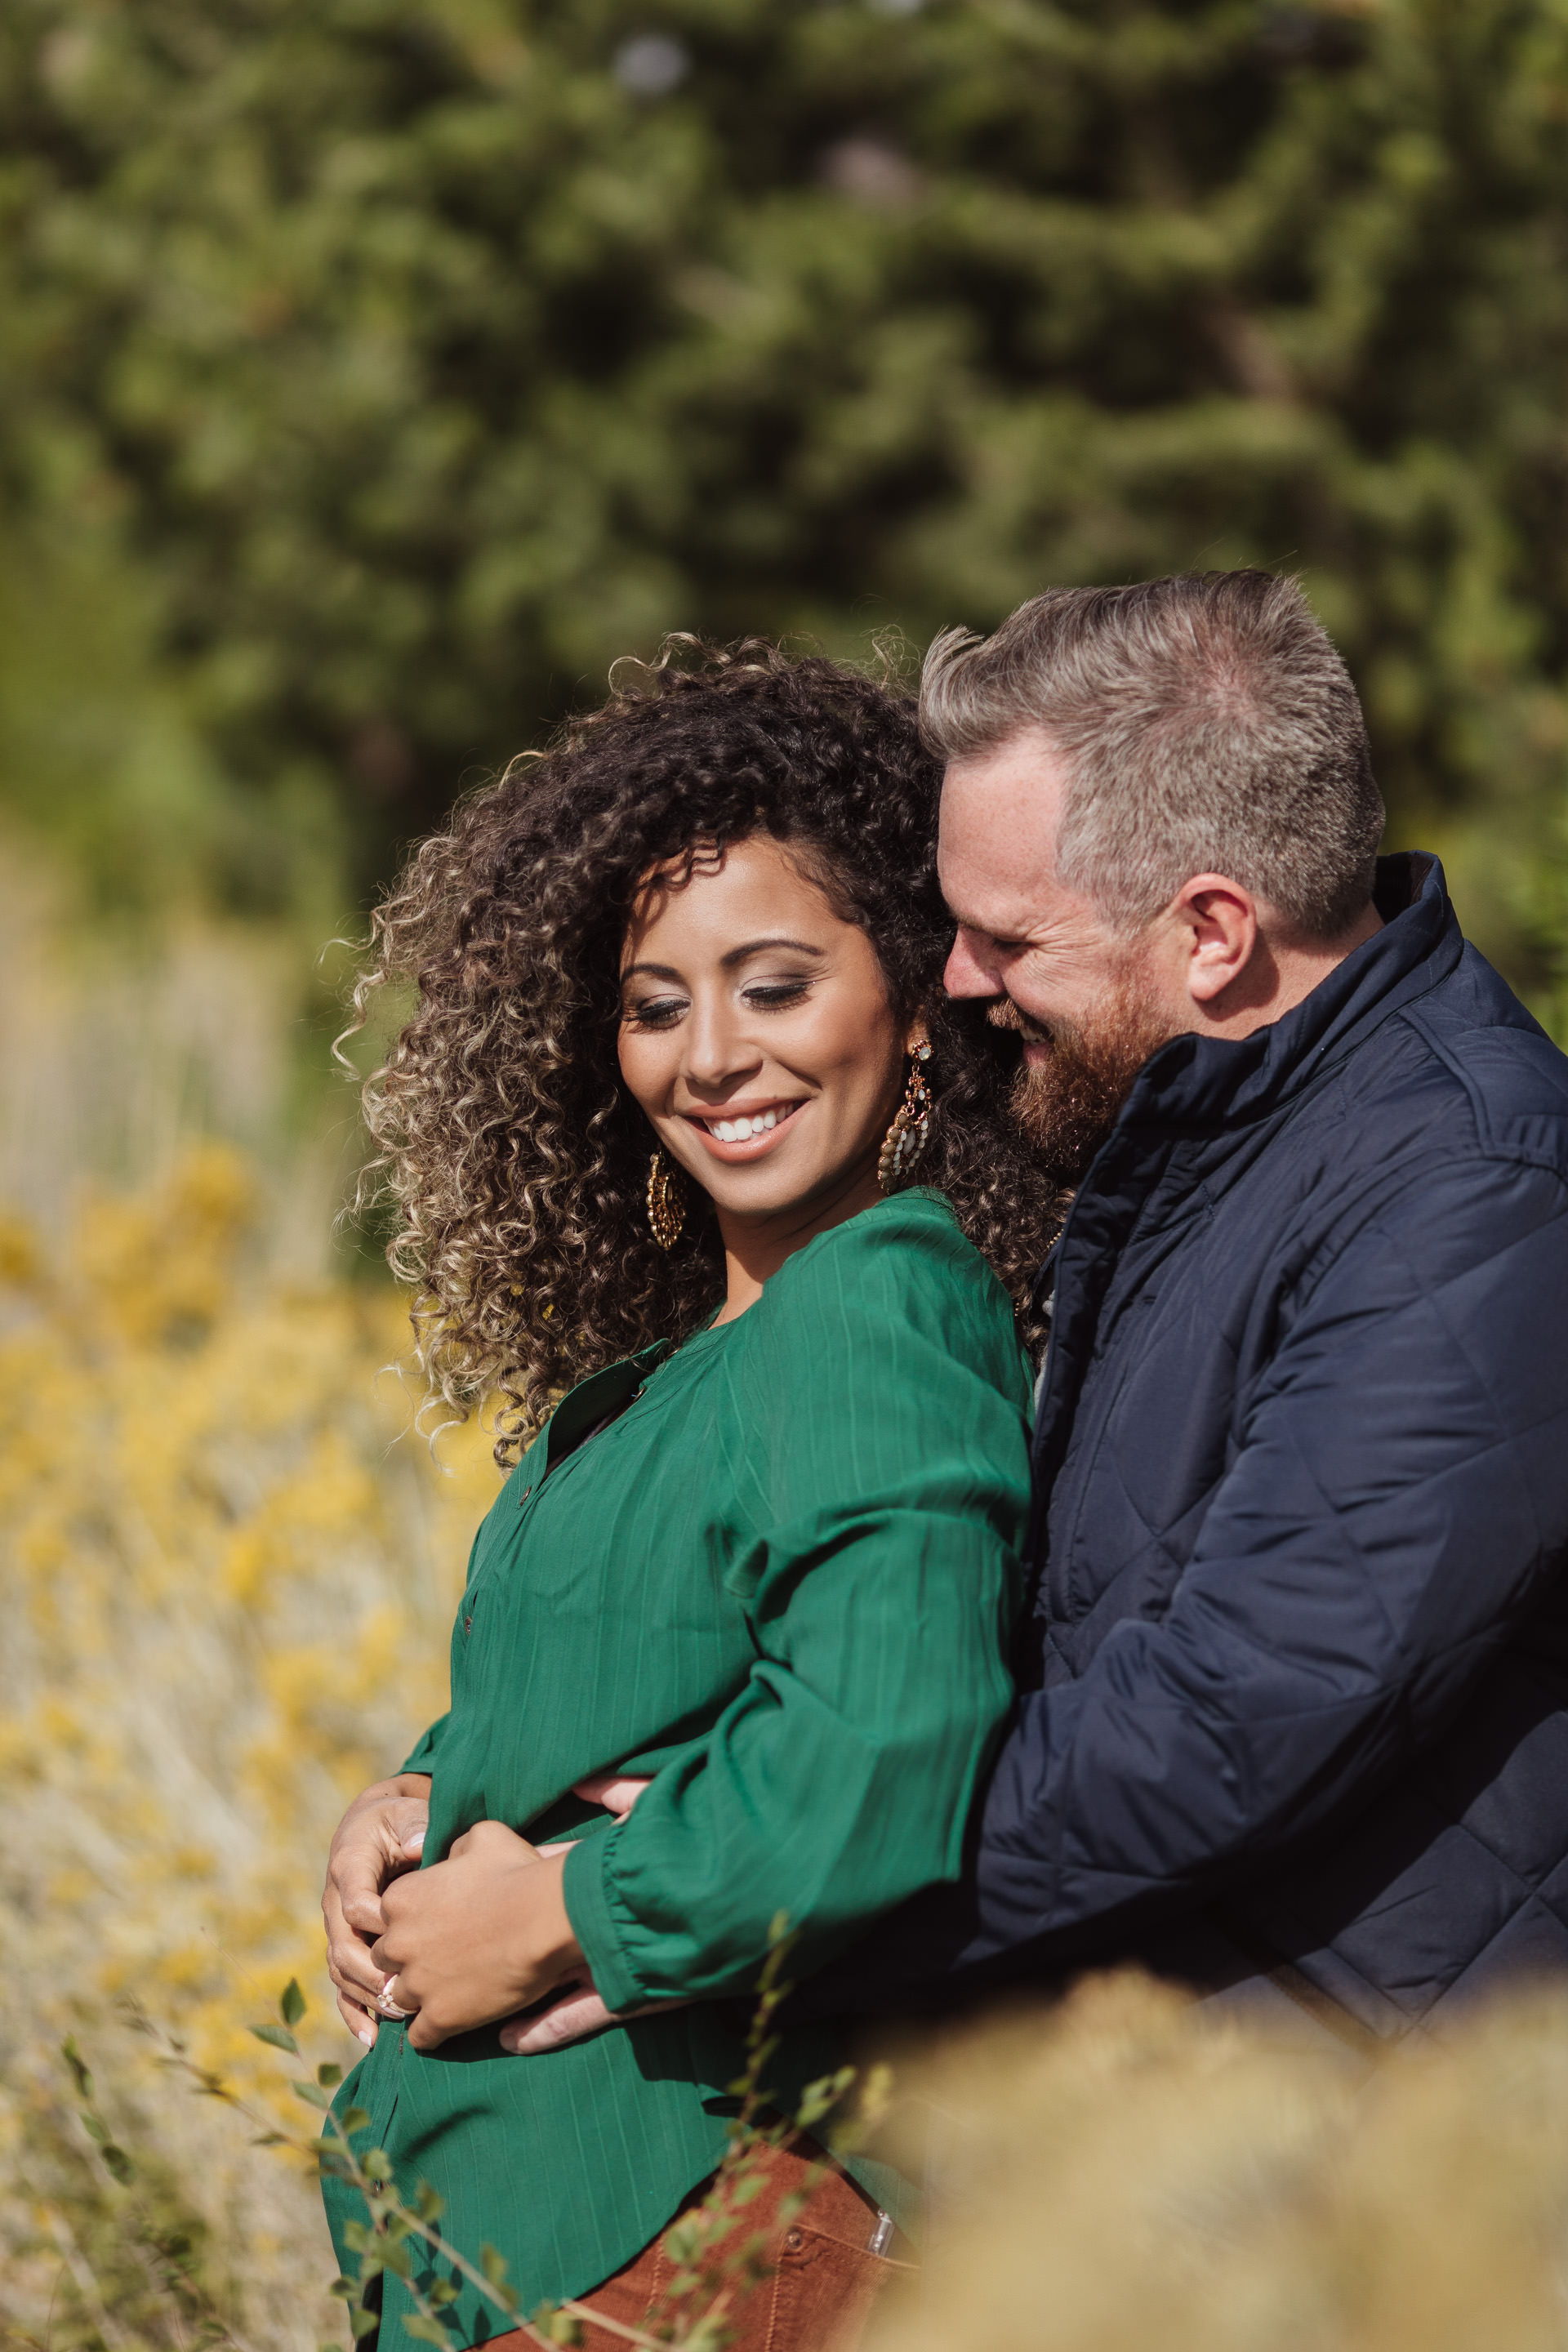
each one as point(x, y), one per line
point(377, 371)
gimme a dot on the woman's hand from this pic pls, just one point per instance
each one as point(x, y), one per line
point(380, 1836)
point(475, 1937)
point(579, 2010)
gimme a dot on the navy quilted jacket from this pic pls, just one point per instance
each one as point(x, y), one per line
point(1296, 1700)
point(1301, 1457)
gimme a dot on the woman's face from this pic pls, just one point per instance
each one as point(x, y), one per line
point(757, 1036)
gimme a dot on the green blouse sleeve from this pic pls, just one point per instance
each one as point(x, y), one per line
point(421, 1757)
point(880, 1462)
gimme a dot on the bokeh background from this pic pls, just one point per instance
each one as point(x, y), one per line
point(373, 372)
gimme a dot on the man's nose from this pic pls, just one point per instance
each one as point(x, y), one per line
point(966, 973)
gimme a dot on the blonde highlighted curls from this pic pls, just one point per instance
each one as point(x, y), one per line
point(515, 1157)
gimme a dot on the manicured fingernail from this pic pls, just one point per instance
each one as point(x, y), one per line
point(367, 2036)
point(415, 1844)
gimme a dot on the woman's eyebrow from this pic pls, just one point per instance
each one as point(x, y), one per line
point(756, 947)
point(735, 956)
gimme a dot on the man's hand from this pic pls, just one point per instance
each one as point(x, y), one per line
point(475, 1937)
point(380, 1836)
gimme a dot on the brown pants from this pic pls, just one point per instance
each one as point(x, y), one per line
point(823, 2282)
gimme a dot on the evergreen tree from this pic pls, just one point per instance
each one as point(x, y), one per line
point(429, 353)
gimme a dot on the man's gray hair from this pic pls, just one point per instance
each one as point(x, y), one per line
point(1208, 727)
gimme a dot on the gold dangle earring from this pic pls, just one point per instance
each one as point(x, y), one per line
point(905, 1139)
point(666, 1201)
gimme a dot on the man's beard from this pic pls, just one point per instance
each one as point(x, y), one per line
point(1067, 1105)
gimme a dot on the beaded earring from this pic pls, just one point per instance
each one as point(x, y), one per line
point(905, 1139)
point(666, 1201)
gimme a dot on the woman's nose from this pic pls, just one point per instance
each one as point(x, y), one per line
point(718, 1051)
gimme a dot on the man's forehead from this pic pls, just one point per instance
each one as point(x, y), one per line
point(1000, 808)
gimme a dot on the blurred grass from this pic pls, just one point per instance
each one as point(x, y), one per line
point(229, 1590)
point(1130, 2175)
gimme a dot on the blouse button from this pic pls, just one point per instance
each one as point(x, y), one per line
point(468, 1624)
point(793, 2240)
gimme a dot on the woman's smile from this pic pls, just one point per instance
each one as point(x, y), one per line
point(744, 1131)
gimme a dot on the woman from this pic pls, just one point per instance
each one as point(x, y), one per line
point(679, 1053)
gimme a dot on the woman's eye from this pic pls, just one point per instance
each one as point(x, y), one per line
point(770, 996)
point(656, 1012)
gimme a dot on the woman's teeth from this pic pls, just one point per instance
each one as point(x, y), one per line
point(741, 1131)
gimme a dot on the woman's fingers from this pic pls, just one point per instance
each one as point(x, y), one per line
point(383, 1843)
point(360, 2021)
point(355, 1978)
point(379, 1838)
point(353, 1994)
point(491, 1844)
point(348, 1951)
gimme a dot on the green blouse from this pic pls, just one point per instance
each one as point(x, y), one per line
point(785, 1580)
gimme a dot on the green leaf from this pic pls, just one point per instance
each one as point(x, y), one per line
point(430, 2206)
point(494, 2263)
point(346, 2287)
point(819, 2096)
point(396, 2257)
point(363, 2322)
point(312, 2096)
point(356, 2237)
point(79, 2074)
point(353, 2119)
point(279, 2038)
point(745, 2190)
point(328, 2075)
point(441, 2292)
point(377, 2162)
point(291, 2007)
point(96, 2128)
point(119, 2163)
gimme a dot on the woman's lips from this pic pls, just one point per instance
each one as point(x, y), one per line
point(763, 1129)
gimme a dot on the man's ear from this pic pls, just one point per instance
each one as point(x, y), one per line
point(1218, 921)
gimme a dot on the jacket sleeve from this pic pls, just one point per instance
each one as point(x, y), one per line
point(882, 1472)
point(1397, 1503)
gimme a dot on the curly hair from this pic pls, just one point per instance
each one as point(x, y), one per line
point(515, 1155)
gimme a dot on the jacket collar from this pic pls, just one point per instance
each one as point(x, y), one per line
point(1208, 1083)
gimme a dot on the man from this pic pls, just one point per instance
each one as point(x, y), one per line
point(1295, 1712)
